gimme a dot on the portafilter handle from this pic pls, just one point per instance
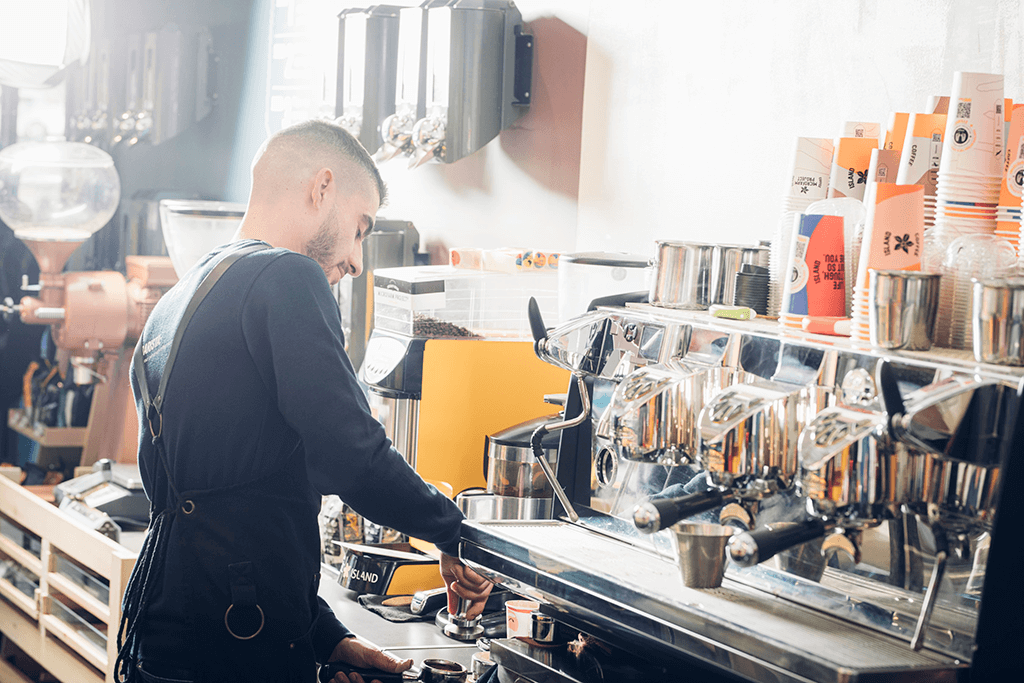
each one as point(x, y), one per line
point(661, 513)
point(753, 547)
point(938, 571)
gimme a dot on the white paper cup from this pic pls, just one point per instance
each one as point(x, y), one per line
point(973, 139)
point(518, 621)
point(812, 166)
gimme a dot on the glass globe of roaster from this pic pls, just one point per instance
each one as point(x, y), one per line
point(57, 191)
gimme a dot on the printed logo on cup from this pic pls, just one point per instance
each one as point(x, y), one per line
point(1015, 178)
point(963, 136)
point(908, 243)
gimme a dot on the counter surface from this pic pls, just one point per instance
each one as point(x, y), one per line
point(419, 639)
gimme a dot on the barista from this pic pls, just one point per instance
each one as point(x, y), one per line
point(250, 412)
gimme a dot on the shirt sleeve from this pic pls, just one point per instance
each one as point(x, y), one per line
point(327, 632)
point(292, 327)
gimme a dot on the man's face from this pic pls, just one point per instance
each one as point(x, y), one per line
point(338, 243)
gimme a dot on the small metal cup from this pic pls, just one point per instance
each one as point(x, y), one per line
point(683, 275)
point(902, 309)
point(701, 549)
point(998, 321)
point(727, 260)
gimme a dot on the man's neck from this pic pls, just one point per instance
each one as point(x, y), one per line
point(257, 225)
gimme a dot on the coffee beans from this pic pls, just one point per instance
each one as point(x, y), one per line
point(426, 326)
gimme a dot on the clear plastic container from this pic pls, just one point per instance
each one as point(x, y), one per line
point(585, 276)
point(442, 301)
point(93, 584)
point(57, 191)
point(194, 228)
point(21, 537)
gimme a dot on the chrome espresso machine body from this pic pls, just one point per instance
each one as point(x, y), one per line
point(873, 543)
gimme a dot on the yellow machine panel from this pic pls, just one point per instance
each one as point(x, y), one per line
point(471, 389)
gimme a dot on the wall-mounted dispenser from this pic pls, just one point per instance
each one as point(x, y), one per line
point(367, 57)
point(169, 84)
point(478, 77)
point(410, 82)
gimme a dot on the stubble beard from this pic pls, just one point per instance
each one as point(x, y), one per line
point(321, 247)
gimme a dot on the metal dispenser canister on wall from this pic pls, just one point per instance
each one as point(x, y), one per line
point(367, 69)
point(478, 77)
point(392, 244)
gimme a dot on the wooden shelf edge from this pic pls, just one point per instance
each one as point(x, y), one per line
point(19, 599)
point(82, 647)
point(89, 548)
point(48, 653)
point(80, 596)
point(49, 437)
point(20, 555)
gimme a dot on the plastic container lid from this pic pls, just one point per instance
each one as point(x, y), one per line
point(193, 228)
point(609, 259)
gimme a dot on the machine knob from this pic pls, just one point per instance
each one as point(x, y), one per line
point(661, 513)
point(753, 547)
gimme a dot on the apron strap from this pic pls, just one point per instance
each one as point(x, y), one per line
point(150, 559)
point(154, 404)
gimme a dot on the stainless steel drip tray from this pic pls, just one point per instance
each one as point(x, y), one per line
point(633, 593)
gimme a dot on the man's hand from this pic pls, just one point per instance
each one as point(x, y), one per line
point(463, 582)
point(365, 655)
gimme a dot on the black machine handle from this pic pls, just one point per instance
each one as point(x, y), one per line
point(661, 513)
point(329, 670)
point(620, 300)
point(536, 320)
point(753, 547)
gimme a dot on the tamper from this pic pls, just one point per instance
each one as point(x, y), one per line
point(460, 627)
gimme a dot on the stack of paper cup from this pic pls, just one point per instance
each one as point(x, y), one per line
point(812, 165)
point(968, 257)
point(854, 216)
point(938, 104)
point(971, 167)
point(919, 161)
point(1008, 213)
point(862, 129)
point(892, 241)
point(884, 166)
point(1007, 117)
point(850, 167)
point(896, 131)
point(816, 285)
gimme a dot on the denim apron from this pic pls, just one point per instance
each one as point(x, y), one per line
point(246, 564)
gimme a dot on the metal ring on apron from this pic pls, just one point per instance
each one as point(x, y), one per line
point(188, 507)
point(235, 635)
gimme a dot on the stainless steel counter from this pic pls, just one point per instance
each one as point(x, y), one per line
point(601, 585)
point(419, 640)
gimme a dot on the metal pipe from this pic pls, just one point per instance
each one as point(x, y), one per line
point(558, 426)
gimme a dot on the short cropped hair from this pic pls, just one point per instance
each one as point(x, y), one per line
point(328, 136)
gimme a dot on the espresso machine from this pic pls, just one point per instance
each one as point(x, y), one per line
point(872, 541)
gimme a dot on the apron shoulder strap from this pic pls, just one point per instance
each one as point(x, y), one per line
point(154, 404)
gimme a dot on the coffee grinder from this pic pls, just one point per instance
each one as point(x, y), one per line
point(449, 363)
point(55, 195)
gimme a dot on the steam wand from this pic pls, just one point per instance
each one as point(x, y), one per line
point(539, 334)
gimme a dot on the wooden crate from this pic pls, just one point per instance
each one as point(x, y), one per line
point(40, 626)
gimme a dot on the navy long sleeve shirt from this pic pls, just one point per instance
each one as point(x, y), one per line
point(262, 367)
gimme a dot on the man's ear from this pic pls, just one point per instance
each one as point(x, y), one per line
point(323, 184)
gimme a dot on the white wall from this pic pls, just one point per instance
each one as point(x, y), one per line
point(691, 109)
